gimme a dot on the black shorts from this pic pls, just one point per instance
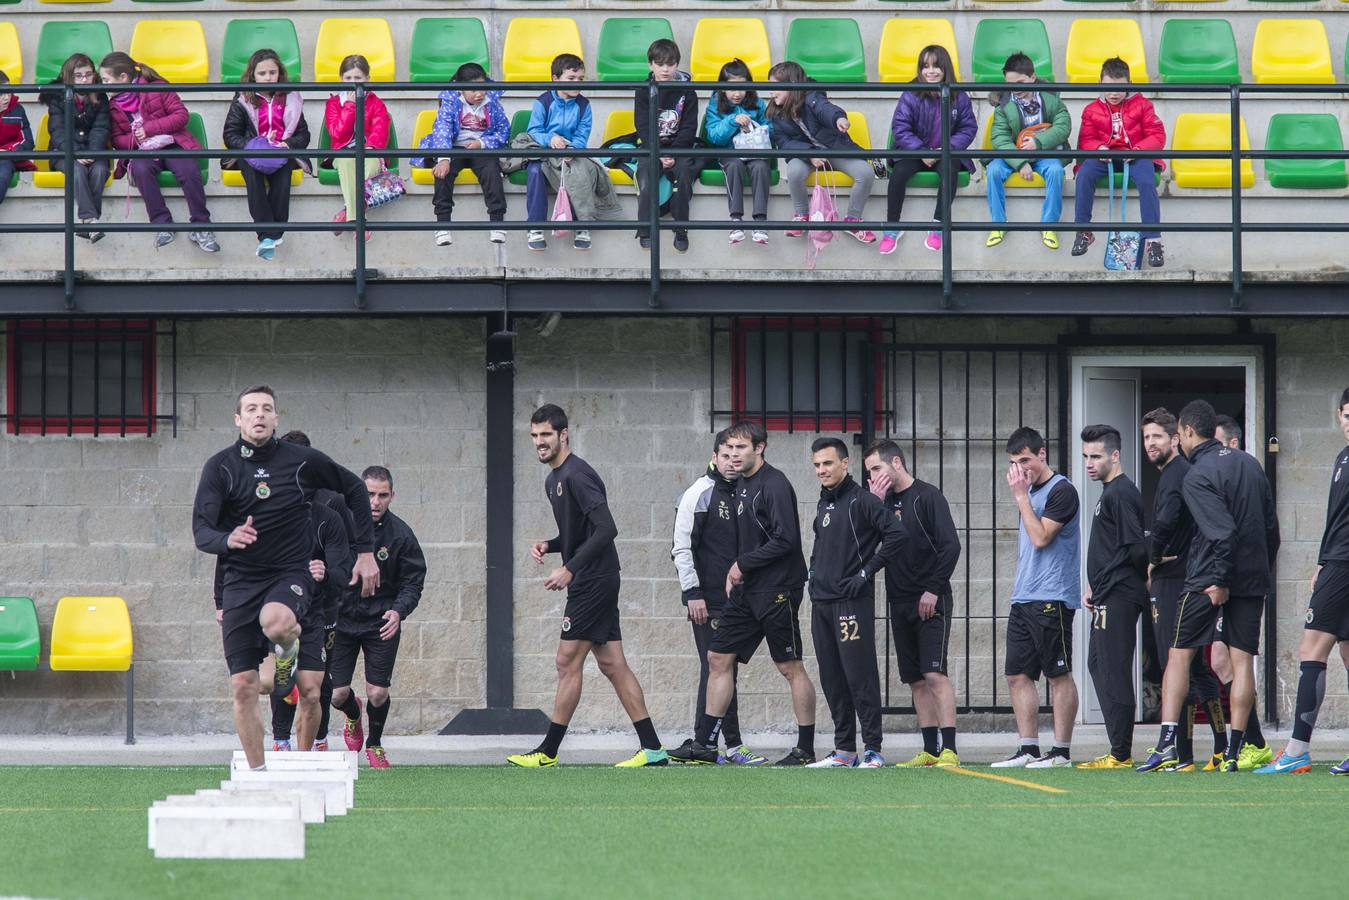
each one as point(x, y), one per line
point(591, 613)
point(1165, 603)
point(243, 599)
point(751, 619)
point(380, 656)
point(1328, 610)
point(920, 645)
point(1238, 623)
point(1039, 640)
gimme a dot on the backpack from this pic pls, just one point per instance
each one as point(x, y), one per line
point(822, 209)
point(1122, 248)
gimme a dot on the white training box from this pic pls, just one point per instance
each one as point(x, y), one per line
point(312, 798)
point(229, 827)
point(339, 787)
point(319, 761)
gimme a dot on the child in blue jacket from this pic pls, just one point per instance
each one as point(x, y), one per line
point(738, 112)
point(559, 119)
point(472, 120)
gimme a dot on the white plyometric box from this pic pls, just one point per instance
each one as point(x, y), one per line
point(312, 800)
point(229, 827)
point(310, 761)
point(339, 787)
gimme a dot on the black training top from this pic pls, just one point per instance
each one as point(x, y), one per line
point(854, 535)
point(1238, 530)
point(585, 527)
point(402, 573)
point(1117, 548)
point(932, 548)
point(274, 484)
point(332, 544)
point(1172, 524)
point(770, 533)
point(1335, 539)
point(714, 540)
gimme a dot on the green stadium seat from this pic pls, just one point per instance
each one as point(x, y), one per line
point(11, 54)
point(328, 175)
point(14, 180)
point(9, 2)
point(713, 176)
point(441, 45)
point(928, 179)
point(1305, 131)
point(20, 642)
point(828, 49)
point(997, 39)
point(621, 55)
point(243, 37)
point(58, 40)
point(1198, 51)
point(67, 1)
point(198, 129)
point(519, 122)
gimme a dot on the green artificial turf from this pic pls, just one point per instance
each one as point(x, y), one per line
point(596, 832)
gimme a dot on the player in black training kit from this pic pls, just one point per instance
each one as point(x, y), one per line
point(252, 510)
point(1327, 615)
point(918, 592)
point(855, 537)
point(589, 575)
point(1169, 550)
point(1117, 556)
point(1226, 580)
point(373, 627)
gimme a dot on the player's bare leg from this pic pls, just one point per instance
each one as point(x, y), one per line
point(1063, 694)
point(571, 660)
point(614, 666)
point(247, 720)
point(307, 711)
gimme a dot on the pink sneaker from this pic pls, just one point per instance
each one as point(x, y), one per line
point(889, 242)
point(340, 217)
point(796, 232)
point(863, 235)
point(933, 241)
point(352, 732)
point(375, 756)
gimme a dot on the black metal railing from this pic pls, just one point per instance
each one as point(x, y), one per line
point(649, 214)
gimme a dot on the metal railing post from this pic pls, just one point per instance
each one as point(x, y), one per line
point(359, 194)
point(68, 103)
point(653, 177)
point(1236, 197)
point(946, 191)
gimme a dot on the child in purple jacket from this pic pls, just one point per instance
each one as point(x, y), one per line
point(917, 125)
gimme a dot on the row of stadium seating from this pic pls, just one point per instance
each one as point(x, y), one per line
point(89, 634)
point(1284, 50)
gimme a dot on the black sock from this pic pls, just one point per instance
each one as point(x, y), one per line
point(709, 727)
point(1234, 744)
point(283, 718)
point(1032, 749)
point(377, 715)
point(350, 708)
point(1254, 736)
point(1218, 722)
point(646, 733)
point(948, 739)
point(552, 740)
point(805, 738)
point(326, 709)
point(1168, 737)
point(930, 744)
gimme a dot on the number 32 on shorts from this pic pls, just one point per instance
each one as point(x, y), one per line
point(848, 628)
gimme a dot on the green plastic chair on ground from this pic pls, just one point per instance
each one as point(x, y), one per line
point(997, 39)
point(441, 45)
point(1305, 131)
point(20, 641)
point(1198, 51)
point(828, 49)
point(58, 40)
point(621, 55)
point(244, 37)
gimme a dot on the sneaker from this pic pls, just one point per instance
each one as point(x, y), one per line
point(1159, 760)
point(266, 249)
point(645, 757)
point(375, 756)
point(352, 732)
point(496, 236)
point(581, 240)
point(921, 761)
point(759, 236)
point(293, 697)
point(1054, 759)
point(285, 668)
point(1107, 761)
point(947, 759)
point(1183, 767)
point(281, 746)
point(1214, 763)
point(644, 241)
point(340, 217)
point(534, 759)
point(1251, 758)
point(1050, 239)
point(205, 240)
point(1230, 765)
point(444, 238)
point(995, 238)
point(1156, 256)
point(536, 241)
point(933, 241)
point(839, 759)
point(93, 236)
point(889, 242)
point(796, 232)
point(163, 239)
point(796, 757)
point(864, 235)
point(1081, 242)
point(737, 236)
point(320, 745)
point(1283, 763)
point(681, 241)
point(1341, 769)
point(743, 756)
point(695, 754)
point(872, 759)
point(1018, 760)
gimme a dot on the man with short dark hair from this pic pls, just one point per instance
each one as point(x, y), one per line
point(918, 594)
point(855, 537)
point(589, 573)
point(373, 628)
point(1227, 577)
point(1117, 556)
point(1228, 432)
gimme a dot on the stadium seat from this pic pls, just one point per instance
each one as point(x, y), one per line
point(11, 55)
point(1305, 131)
point(91, 634)
point(530, 45)
point(198, 129)
point(1208, 131)
point(58, 40)
point(902, 38)
point(72, 1)
point(441, 45)
point(426, 119)
point(1014, 180)
point(244, 37)
point(828, 49)
point(1291, 51)
point(621, 55)
point(1093, 41)
point(45, 176)
point(928, 179)
point(1198, 51)
point(20, 642)
point(339, 38)
point(712, 174)
point(519, 122)
point(717, 40)
point(618, 123)
point(328, 175)
point(175, 48)
point(861, 134)
point(997, 39)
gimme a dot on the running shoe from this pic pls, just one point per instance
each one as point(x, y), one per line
point(947, 759)
point(695, 754)
point(163, 239)
point(266, 249)
point(536, 241)
point(681, 240)
point(796, 757)
point(320, 745)
point(1082, 241)
point(1050, 239)
point(839, 759)
point(737, 236)
point(1051, 760)
point(1229, 765)
point(889, 242)
point(865, 235)
point(1159, 760)
point(205, 240)
point(534, 759)
point(352, 732)
point(872, 759)
point(444, 238)
point(1018, 760)
point(375, 756)
point(933, 241)
point(1214, 763)
point(1183, 767)
point(796, 231)
point(281, 746)
point(995, 237)
point(286, 657)
point(496, 236)
point(341, 216)
point(743, 756)
point(645, 757)
point(1341, 769)
point(1107, 761)
point(921, 761)
point(759, 236)
point(1252, 758)
point(581, 240)
point(1285, 764)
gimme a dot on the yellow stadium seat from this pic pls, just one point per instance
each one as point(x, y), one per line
point(234, 178)
point(860, 133)
point(426, 120)
point(902, 38)
point(11, 56)
point(74, 1)
point(1208, 131)
point(45, 177)
point(619, 122)
point(1093, 41)
point(1014, 180)
point(716, 41)
point(340, 38)
point(91, 634)
point(175, 48)
point(1291, 51)
point(531, 44)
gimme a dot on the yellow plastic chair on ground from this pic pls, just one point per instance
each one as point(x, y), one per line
point(93, 634)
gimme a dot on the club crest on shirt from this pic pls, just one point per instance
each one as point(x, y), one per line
point(297, 590)
point(262, 491)
point(715, 623)
point(1098, 508)
point(1338, 471)
point(566, 623)
point(824, 523)
point(899, 510)
point(245, 451)
point(1310, 615)
point(559, 489)
point(740, 508)
point(383, 554)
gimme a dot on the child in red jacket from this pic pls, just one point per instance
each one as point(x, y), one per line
point(1119, 120)
point(340, 116)
point(15, 134)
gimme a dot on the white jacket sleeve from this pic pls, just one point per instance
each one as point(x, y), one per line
point(682, 551)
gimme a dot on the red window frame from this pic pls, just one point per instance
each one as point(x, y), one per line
point(60, 333)
point(743, 326)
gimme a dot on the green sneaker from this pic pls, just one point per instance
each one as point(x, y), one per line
point(645, 757)
point(921, 761)
point(1254, 757)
